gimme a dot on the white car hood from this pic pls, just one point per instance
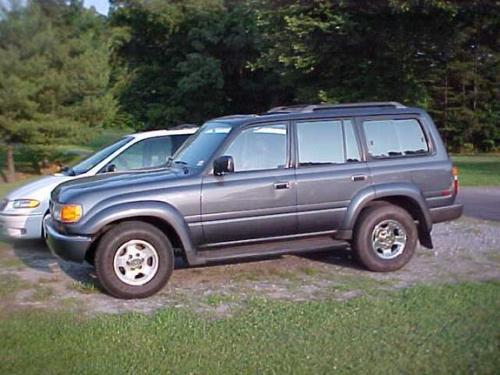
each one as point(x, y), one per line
point(39, 189)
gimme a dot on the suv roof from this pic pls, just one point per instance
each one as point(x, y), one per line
point(320, 110)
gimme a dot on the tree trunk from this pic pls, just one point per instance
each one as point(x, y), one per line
point(474, 103)
point(446, 107)
point(11, 169)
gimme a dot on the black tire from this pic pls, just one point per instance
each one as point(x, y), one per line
point(111, 242)
point(362, 247)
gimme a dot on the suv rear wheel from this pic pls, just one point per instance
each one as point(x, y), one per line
point(385, 238)
point(134, 260)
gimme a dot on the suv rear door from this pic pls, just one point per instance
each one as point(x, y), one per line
point(330, 171)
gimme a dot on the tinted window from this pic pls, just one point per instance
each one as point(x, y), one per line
point(386, 138)
point(320, 142)
point(148, 153)
point(258, 148)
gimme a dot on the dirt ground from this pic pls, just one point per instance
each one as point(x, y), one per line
point(467, 249)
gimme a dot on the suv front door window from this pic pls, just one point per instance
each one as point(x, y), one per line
point(259, 148)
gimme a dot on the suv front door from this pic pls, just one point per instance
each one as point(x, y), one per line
point(329, 172)
point(259, 199)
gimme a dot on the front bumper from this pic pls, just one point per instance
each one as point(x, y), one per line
point(17, 227)
point(446, 213)
point(67, 247)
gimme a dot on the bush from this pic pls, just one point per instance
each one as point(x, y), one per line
point(488, 145)
point(468, 148)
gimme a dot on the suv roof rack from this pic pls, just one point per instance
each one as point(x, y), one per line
point(322, 107)
point(233, 117)
point(290, 108)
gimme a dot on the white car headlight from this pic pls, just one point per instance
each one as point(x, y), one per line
point(25, 203)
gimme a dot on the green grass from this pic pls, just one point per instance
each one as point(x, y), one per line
point(42, 293)
point(10, 284)
point(12, 263)
point(219, 299)
point(85, 287)
point(346, 283)
point(478, 170)
point(434, 330)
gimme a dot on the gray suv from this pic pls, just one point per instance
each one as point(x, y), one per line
point(374, 176)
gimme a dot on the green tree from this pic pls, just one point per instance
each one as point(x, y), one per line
point(186, 61)
point(441, 55)
point(54, 75)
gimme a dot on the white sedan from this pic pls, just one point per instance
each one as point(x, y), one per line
point(22, 210)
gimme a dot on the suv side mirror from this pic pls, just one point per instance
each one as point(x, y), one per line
point(223, 164)
point(110, 168)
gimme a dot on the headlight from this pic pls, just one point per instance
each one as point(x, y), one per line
point(26, 203)
point(67, 213)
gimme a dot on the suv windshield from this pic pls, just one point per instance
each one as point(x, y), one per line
point(200, 147)
point(87, 164)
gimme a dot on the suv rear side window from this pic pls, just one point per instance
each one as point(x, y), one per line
point(393, 138)
point(326, 142)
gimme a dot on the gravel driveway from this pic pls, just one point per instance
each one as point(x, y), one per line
point(466, 249)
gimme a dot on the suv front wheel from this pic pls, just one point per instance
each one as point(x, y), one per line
point(385, 238)
point(134, 260)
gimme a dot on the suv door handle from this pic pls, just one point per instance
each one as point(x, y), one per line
point(359, 177)
point(282, 185)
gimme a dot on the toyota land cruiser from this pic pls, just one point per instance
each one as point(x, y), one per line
point(373, 176)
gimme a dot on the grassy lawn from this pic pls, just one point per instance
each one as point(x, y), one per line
point(426, 329)
point(480, 170)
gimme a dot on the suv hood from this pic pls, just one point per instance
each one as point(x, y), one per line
point(97, 188)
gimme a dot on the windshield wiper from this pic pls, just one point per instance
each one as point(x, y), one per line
point(68, 171)
point(170, 160)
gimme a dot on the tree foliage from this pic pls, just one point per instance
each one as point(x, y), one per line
point(440, 55)
point(54, 73)
point(157, 63)
point(188, 61)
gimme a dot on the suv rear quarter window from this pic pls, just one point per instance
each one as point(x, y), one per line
point(395, 138)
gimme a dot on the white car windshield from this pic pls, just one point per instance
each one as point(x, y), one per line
point(87, 164)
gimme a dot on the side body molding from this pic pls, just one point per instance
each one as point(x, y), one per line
point(160, 210)
point(388, 190)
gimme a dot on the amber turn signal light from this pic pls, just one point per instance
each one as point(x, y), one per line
point(70, 213)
